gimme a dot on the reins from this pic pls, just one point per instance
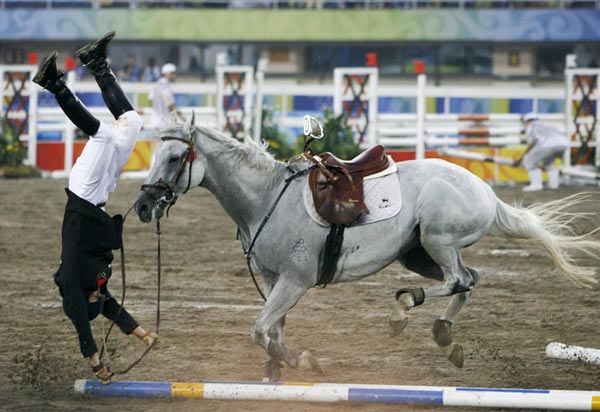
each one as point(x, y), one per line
point(249, 253)
point(123, 287)
point(170, 198)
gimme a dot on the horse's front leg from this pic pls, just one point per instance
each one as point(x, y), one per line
point(267, 331)
point(273, 364)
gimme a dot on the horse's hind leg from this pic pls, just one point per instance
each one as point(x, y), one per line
point(439, 262)
point(416, 260)
point(441, 330)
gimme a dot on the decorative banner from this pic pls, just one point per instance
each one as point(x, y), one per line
point(51, 155)
point(234, 97)
point(18, 99)
point(554, 25)
point(355, 94)
point(582, 115)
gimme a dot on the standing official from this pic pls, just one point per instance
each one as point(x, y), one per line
point(545, 144)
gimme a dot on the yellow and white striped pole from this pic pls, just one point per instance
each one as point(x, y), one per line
point(332, 392)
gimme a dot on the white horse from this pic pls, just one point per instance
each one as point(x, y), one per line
point(445, 208)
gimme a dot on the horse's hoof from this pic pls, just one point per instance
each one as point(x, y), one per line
point(397, 326)
point(455, 355)
point(398, 321)
point(441, 332)
point(306, 360)
point(272, 371)
point(278, 351)
point(273, 376)
point(289, 357)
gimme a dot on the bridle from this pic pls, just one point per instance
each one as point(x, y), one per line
point(188, 157)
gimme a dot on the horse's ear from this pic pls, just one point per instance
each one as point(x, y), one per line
point(174, 118)
point(191, 123)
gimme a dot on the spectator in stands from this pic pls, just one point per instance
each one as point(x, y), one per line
point(89, 234)
point(545, 144)
point(163, 99)
point(131, 72)
point(151, 72)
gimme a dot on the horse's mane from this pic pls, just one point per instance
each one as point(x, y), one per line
point(250, 153)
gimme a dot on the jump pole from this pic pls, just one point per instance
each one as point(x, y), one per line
point(480, 157)
point(332, 392)
point(558, 350)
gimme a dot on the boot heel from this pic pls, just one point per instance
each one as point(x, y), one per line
point(48, 76)
point(93, 55)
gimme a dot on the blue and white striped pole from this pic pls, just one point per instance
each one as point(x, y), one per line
point(331, 392)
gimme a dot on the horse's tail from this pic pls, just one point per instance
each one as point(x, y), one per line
point(548, 225)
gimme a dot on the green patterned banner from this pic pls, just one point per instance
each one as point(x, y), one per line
point(207, 25)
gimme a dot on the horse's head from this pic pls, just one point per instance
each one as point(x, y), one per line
point(175, 170)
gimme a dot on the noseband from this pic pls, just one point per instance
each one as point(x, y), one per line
point(168, 194)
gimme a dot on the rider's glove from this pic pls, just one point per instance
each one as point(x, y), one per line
point(150, 338)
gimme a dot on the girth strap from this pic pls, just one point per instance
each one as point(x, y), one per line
point(331, 254)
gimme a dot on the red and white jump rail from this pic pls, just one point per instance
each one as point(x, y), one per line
point(420, 129)
point(386, 118)
point(455, 141)
point(355, 393)
point(455, 129)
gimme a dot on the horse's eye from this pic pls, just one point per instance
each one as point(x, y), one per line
point(173, 159)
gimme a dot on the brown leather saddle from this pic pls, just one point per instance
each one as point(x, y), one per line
point(337, 185)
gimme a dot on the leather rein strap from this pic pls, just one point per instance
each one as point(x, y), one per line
point(123, 287)
point(188, 157)
point(249, 253)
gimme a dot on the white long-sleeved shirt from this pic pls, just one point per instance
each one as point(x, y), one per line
point(162, 97)
point(545, 135)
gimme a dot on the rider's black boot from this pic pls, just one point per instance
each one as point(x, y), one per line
point(50, 78)
point(93, 56)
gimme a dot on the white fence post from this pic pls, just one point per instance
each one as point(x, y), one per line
point(420, 148)
point(33, 122)
point(69, 136)
point(258, 104)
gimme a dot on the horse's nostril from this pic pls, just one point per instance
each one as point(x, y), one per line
point(143, 212)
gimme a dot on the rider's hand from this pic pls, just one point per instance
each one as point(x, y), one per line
point(103, 373)
point(150, 338)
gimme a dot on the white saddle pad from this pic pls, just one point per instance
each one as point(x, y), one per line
point(382, 197)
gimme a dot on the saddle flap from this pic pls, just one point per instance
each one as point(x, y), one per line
point(339, 202)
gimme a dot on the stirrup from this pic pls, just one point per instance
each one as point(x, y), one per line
point(48, 76)
point(93, 55)
point(103, 373)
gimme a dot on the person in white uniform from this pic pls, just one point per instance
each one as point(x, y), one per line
point(163, 99)
point(89, 234)
point(545, 144)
